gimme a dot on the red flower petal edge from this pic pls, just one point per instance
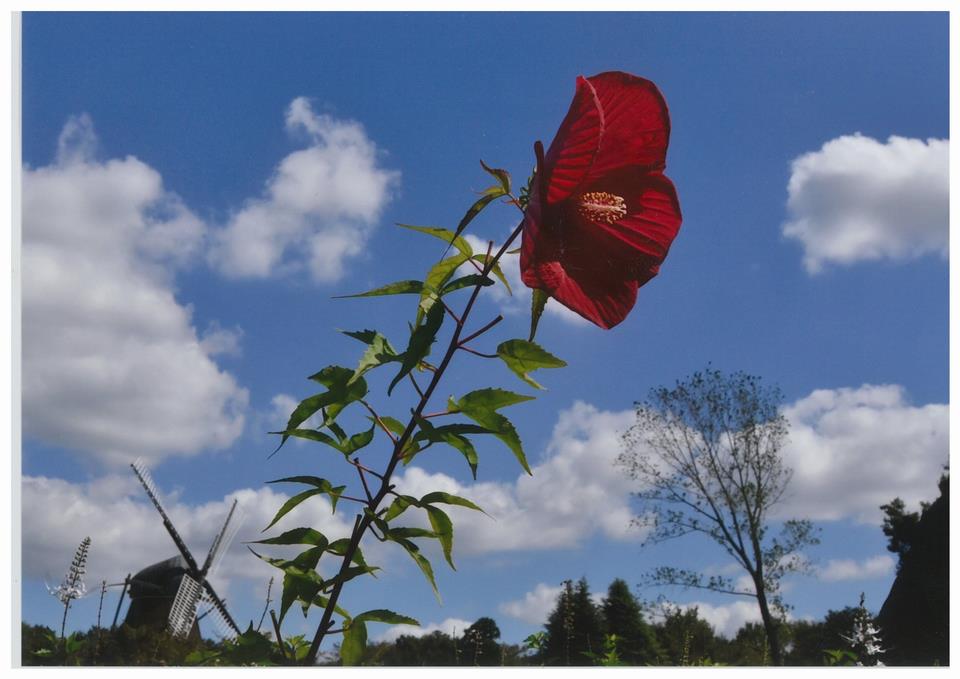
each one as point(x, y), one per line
point(602, 215)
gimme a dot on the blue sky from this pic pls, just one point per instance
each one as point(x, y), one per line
point(178, 269)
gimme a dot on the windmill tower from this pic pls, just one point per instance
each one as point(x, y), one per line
point(171, 591)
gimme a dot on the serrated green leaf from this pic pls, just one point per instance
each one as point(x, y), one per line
point(311, 435)
point(446, 235)
point(537, 304)
point(487, 399)
point(322, 602)
point(421, 339)
point(379, 352)
point(339, 547)
point(297, 536)
point(482, 202)
point(349, 574)
point(354, 642)
point(452, 435)
point(443, 527)
point(437, 278)
point(422, 562)
point(399, 505)
point(523, 357)
point(399, 288)
point(339, 395)
point(502, 176)
point(447, 498)
point(358, 441)
point(495, 270)
point(322, 486)
point(496, 423)
point(384, 615)
point(409, 532)
point(466, 282)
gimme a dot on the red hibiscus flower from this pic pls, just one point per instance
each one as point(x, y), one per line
point(601, 215)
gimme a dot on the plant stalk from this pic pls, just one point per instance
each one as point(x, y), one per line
point(364, 521)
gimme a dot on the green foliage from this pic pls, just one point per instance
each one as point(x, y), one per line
point(636, 641)
point(574, 628)
point(523, 357)
point(302, 582)
point(537, 305)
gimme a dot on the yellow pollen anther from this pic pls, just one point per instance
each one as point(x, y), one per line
point(600, 206)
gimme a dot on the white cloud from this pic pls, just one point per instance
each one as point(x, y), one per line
point(575, 491)
point(127, 534)
point(450, 626)
point(853, 450)
point(318, 209)
point(878, 566)
point(726, 619)
point(519, 301)
point(535, 606)
point(112, 364)
point(859, 199)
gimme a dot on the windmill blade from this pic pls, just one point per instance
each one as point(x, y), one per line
point(183, 611)
point(220, 610)
point(221, 543)
point(148, 484)
point(221, 625)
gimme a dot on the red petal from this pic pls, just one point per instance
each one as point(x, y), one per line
point(636, 124)
point(573, 149)
point(578, 269)
point(653, 214)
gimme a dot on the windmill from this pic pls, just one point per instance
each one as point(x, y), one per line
point(156, 582)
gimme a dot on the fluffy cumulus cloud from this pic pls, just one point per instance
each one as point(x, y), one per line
point(860, 199)
point(317, 210)
point(535, 606)
point(853, 450)
point(451, 626)
point(57, 514)
point(726, 619)
point(835, 570)
point(575, 492)
point(112, 364)
point(519, 301)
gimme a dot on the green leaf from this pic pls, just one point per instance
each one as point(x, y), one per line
point(447, 498)
point(411, 532)
point(398, 506)
point(422, 562)
point(502, 176)
point(496, 270)
point(537, 304)
point(358, 441)
point(481, 405)
point(379, 352)
point(443, 527)
point(487, 399)
point(340, 394)
point(466, 282)
point(321, 486)
point(296, 536)
point(339, 547)
point(523, 357)
point(437, 278)
point(398, 288)
point(482, 202)
point(446, 235)
point(349, 574)
point(354, 642)
point(452, 435)
point(311, 435)
point(384, 615)
point(322, 602)
point(421, 339)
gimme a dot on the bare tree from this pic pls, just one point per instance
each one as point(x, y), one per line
point(707, 456)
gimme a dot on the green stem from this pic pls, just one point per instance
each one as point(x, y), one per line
point(363, 522)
